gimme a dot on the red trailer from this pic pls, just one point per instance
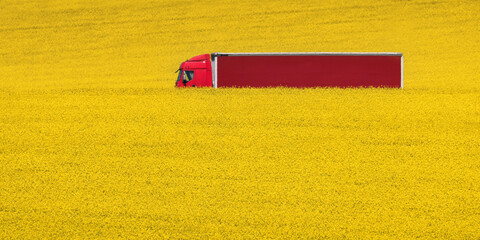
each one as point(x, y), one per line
point(300, 70)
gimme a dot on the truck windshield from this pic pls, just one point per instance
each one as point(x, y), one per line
point(179, 75)
point(180, 71)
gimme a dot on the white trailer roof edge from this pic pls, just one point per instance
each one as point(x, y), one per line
point(310, 54)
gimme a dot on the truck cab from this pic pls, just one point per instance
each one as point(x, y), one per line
point(195, 72)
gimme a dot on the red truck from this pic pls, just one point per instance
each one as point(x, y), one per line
point(300, 70)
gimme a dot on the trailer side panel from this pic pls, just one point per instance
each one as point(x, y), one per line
point(310, 71)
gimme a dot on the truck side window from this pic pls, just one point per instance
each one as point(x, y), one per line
point(188, 75)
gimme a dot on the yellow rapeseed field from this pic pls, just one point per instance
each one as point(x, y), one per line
point(95, 142)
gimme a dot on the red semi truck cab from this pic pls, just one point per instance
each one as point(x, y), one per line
point(301, 70)
point(195, 72)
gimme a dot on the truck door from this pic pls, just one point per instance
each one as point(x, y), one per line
point(197, 74)
point(188, 78)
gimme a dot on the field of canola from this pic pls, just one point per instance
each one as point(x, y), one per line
point(95, 142)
